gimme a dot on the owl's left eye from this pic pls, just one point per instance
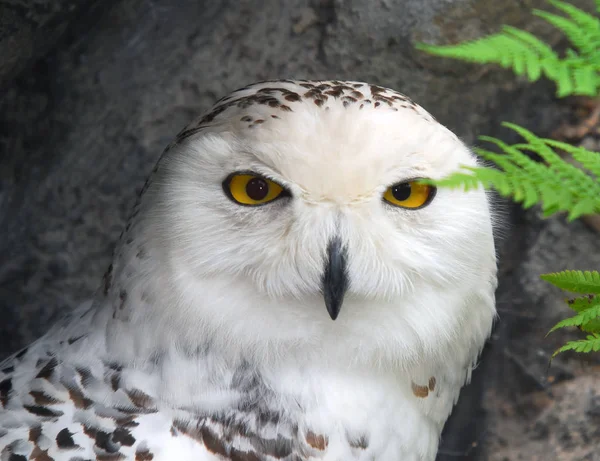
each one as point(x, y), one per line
point(409, 194)
point(251, 189)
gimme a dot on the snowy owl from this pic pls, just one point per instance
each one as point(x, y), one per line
point(285, 289)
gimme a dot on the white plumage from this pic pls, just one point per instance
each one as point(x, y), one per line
point(212, 336)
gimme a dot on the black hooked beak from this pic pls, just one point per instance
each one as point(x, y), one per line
point(335, 278)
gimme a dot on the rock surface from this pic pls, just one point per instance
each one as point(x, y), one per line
point(81, 128)
point(29, 29)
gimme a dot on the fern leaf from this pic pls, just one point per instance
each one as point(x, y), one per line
point(563, 82)
point(575, 281)
point(582, 318)
point(582, 303)
point(457, 180)
point(585, 81)
point(510, 48)
point(543, 50)
point(593, 326)
point(578, 193)
point(591, 343)
point(572, 31)
point(589, 160)
point(588, 24)
point(582, 208)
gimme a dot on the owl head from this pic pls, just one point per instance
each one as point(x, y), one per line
point(292, 215)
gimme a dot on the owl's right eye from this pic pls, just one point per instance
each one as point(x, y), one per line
point(251, 189)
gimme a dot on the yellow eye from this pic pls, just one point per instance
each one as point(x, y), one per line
point(251, 189)
point(409, 194)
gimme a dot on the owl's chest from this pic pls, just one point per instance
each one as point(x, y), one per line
point(326, 419)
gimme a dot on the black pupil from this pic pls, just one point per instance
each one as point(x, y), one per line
point(257, 189)
point(401, 192)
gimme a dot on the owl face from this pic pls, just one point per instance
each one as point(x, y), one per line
point(319, 202)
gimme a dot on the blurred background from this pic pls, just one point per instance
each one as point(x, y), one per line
point(91, 91)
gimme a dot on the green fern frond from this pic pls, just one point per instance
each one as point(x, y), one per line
point(593, 326)
point(588, 159)
point(578, 32)
point(580, 319)
point(591, 343)
point(525, 54)
point(575, 281)
point(556, 184)
point(582, 303)
point(588, 28)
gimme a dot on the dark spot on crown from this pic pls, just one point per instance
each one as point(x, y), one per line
point(319, 102)
point(246, 118)
point(8, 369)
point(377, 104)
point(64, 439)
point(274, 116)
point(292, 97)
point(335, 92)
point(285, 108)
point(43, 411)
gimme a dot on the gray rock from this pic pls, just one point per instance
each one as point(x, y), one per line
point(30, 29)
